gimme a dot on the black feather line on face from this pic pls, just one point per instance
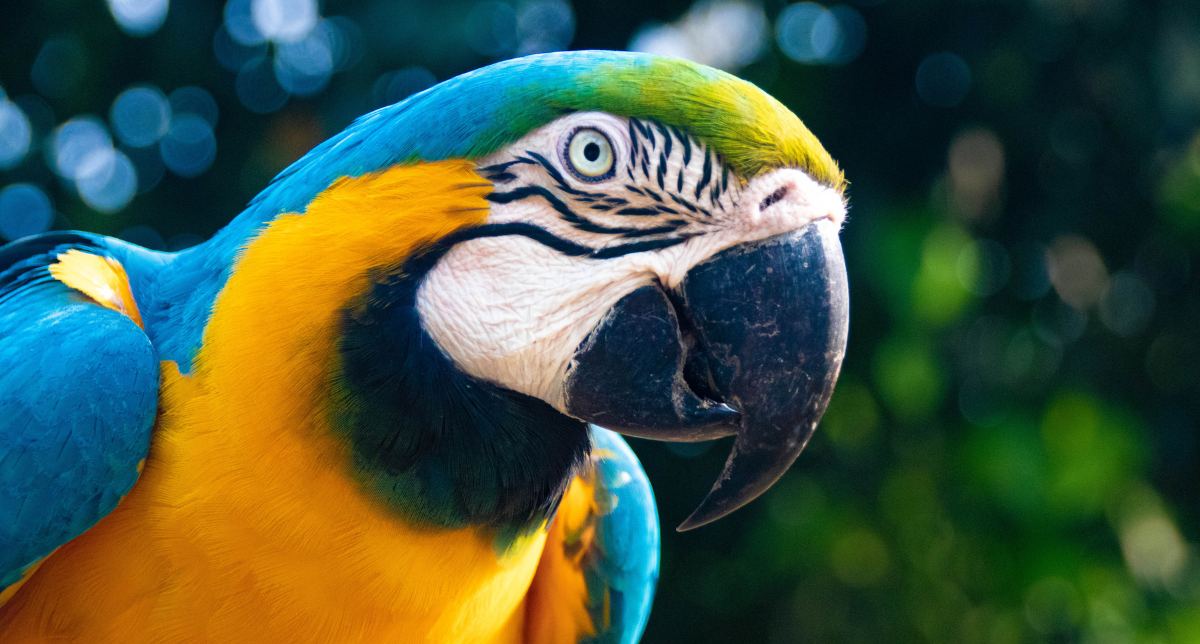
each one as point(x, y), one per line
point(573, 218)
point(568, 215)
point(637, 212)
point(683, 203)
point(705, 174)
point(500, 177)
point(644, 129)
point(666, 139)
point(564, 246)
point(633, 144)
point(671, 227)
point(501, 167)
point(638, 247)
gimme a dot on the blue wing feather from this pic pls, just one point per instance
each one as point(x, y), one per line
point(78, 395)
point(624, 563)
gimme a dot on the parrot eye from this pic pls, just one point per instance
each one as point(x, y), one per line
point(590, 155)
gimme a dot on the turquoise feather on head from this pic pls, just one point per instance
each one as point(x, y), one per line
point(478, 113)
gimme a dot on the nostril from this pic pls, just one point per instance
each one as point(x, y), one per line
point(772, 198)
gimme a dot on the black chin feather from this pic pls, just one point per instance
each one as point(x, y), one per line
point(439, 446)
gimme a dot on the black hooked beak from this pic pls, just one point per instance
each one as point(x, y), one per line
point(750, 344)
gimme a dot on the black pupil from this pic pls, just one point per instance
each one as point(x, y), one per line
point(591, 151)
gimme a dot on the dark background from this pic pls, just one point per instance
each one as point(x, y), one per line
point(1011, 454)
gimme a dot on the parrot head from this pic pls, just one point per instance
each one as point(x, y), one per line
point(659, 256)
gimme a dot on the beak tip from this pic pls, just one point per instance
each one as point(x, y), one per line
point(797, 281)
point(693, 521)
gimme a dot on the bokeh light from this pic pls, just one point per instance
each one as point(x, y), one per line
point(16, 134)
point(1077, 271)
point(543, 26)
point(345, 41)
point(106, 180)
point(984, 267)
point(720, 33)
point(284, 21)
point(59, 66)
point(943, 79)
point(303, 67)
point(194, 100)
point(1127, 305)
point(491, 29)
point(189, 147)
point(139, 17)
point(807, 32)
point(289, 39)
point(24, 210)
point(231, 53)
point(82, 152)
point(852, 35)
point(76, 143)
point(240, 24)
point(140, 116)
point(811, 33)
point(976, 168)
point(1154, 549)
point(396, 86)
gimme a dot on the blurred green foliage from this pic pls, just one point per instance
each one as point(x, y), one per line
point(1011, 454)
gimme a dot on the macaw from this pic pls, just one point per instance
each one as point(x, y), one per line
point(383, 404)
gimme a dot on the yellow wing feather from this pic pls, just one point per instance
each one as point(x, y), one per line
point(101, 278)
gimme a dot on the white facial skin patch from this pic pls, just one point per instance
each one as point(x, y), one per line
point(513, 310)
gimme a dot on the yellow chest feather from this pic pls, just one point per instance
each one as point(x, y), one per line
point(245, 526)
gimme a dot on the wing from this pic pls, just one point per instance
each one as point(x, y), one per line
point(596, 579)
point(78, 393)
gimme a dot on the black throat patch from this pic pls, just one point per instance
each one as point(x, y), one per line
point(440, 447)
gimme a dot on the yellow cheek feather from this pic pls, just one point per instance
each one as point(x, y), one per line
point(246, 525)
